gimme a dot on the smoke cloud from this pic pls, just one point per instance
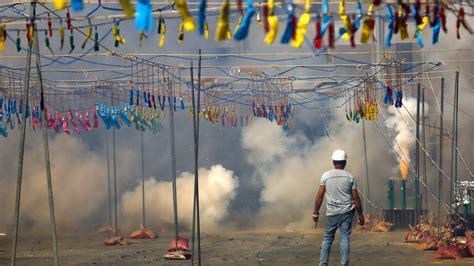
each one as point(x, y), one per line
point(290, 167)
point(403, 122)
point(79, 183)
point(217, 188)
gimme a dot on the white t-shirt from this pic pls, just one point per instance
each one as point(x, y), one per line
point(339, 185)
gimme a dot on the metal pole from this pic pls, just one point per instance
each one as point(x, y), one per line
point(441, 135)
point(423, 132)
point(196, 183)
point(114, 164)
point(195, 114)
point(196, 211)
point(173, 163)
point(417, 177)
point(108, 178)
point(44, 127)
point(453, 154)
point(366, 168)
point(471, 166)
point(143, 182)
point(456, 91)
point(22, 141)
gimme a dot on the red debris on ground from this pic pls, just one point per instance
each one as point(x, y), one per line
point(368, 219)
point(471, 245)
point(177, 255)
point(414, 234)
point(423, 231)
point(116, 241)
point(142, 233)
point(454, 242)
point(183, 244)
point(451, 251)
point(375, 225)
point(381, 226)
point(431, 243)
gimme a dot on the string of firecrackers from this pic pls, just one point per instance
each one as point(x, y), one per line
point(362, 104)
point(367, 108)
point(145, 117)
point(273, 101)
point(281, 113)
point(143, 110)
point(389, 84)
point(264, 106)
point(83, 120)
point(224, 114)
point(295, 28)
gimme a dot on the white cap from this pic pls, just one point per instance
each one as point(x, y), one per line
point(339, 155)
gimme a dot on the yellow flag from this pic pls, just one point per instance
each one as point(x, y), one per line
point(421, 26)
point(162, 39)
point(60, 4)
point(127, 8)
point(223, 23)
point(238, 23)
point(206, 30)
point(302, 26)
point(2, 39)
point(182, 7)
point(403, 26)
point(272, 22)
point(114, 29)
point(346, 20)
point(88, 36)
point(163, 35)
point(366, 25)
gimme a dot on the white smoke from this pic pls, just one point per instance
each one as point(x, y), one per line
point(217, 188)
point(290, 167)
point(402, 122)
point(79, 183)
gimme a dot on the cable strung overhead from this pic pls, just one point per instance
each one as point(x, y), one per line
point(138, 88)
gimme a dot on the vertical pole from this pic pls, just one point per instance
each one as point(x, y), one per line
point(114, 164)
point(173, 162)
point(471, 165)
point(195, 114)
point(403, 197)
point(417, 177)
point(453, 152)
point(44, 127)
point(366, 169)
point(441, 136)
point(196, 108)
point(456, 91)
point(198, 222)
point(423, 132)
point(108, 177)
point(21, 154)
point(143, 182)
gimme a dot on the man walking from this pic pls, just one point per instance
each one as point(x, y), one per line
point(339, 189)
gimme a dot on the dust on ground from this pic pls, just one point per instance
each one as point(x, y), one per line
point(258, 247)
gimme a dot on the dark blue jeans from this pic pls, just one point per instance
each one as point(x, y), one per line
point(344, 223)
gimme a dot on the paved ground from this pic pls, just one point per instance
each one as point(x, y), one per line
point(260, 247)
